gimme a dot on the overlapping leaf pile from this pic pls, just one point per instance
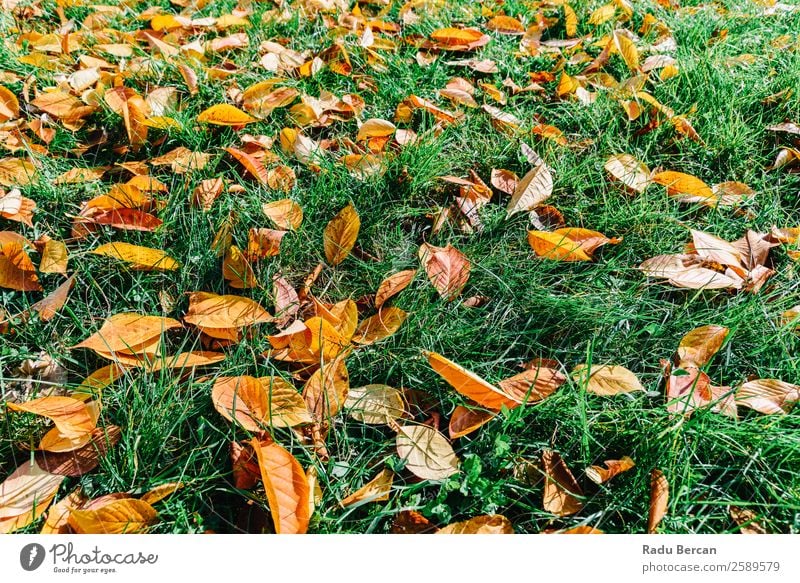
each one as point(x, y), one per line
point(129, 84)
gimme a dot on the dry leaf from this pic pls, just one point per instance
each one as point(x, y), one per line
point(380, 326)
point(375, 404)
point(341, 234)
point(209, 310)
point(286, 487)
point(376, 490)
point(223, 114)
point(426, 452)
point(285, 213)
point(464, 421)
point(447, 268)
point(606, 380)
point(560, 489)
point(659, 498)
point(600, 475)
point(470, 385)
point(124, 516)
point(489, 524)
point(768, 396)
point(532, 190)
point(629, 171)
point(71, 417)
point(700, 345)
point(143, 258)
point(393, 285)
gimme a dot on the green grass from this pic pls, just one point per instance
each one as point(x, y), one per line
point(605, 311)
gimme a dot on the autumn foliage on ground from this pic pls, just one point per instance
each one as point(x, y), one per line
point(338, 266)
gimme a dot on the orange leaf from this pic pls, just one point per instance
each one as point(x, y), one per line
point(469, 384)
point(122, 516)
point(560, 487)
point(556, 246)
point(659, 498)
point(685, 187)
point(489, 524)
point(209, 310)
point(700, 345)
point(71, 416)
point(252, 164)
point(286, 487)
point(382, 325)
point(376, 490)
point(341, 234)
point(464, 421)
point(127, 332)
point(236, 269)
point(285, 213)
point(600, 475)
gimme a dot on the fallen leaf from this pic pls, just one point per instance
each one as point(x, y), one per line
point(341, 234)
point(393, 285)
point(560, 488)
point(489, 524)
point(285, 485)
point(375, 404)
point(123, 516)
point(768, 396)
point(209, 310)
point(285, 213)
point(469, 384)
point(699, 346)
point(600, 475)
point(376, 490)
point(464, 421)
point(626, 169)
point(426, 452)
point(83, 459)
point(71, 416)
point(224, 114)
point(142, 258)
point(380, 326)
point(659, 498)
point(606, 380)
point(532, 190)
point(448, 269)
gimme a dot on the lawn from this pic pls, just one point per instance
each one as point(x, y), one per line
point(109, 127)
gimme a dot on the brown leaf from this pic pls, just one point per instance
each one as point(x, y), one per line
point(426, 452)
point(659, 498)
point(123, 516)
point(768, 396)
point(128, 332)
point(252, 164)
point(380, 326)
point(606, 380)
point(376, 490)
point(326, 391)
point(341, 234)
point(285, 213)
point(700, 345)
point(448, 269)
point(532, 190)
point(626, 169)
point(412, 522)
point(470, 385)
point(263, 243)
point(375, 404)
point(504, 180)
point(84, 459)
point(464, 421)
point(488, 524)
point(532, 385)
point(209, 310)
point(600, 475)
point(286, 487)
point(25, 495)
point(128, 219)
point(747, 520)
point(393, 285)
point(560, 487)
point(48, 306)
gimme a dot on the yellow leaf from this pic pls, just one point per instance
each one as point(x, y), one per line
point(376, 490)
point(27, 493)
point(606, 380)
point(556, 246)
point(123, 516)
point(142, 258)
point(382, 325)
point(375, 128)
point(685, 187)
point(426, 452)
point(341, 234)
point(224, 114)
point(375, 404)
point(285, 213)
point(237, 270)
point(128, 332)
point(627, 50)
point(54, 257)
point(209, 310)
point(700, 345)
